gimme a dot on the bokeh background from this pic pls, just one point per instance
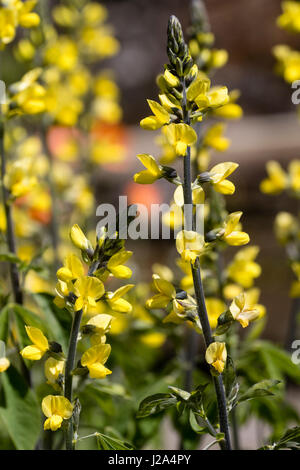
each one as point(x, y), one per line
point(268, 130)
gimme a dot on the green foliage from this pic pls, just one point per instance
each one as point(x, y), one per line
point(19, 410)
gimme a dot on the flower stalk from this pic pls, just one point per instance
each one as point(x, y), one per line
point(199, 291)
point(70, 363)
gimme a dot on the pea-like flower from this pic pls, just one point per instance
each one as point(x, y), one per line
point(180, 136)
point(98, 326)
point(160, 117)
point(243, 269)
point(88, 289)
point(116, 302)
point(166, 294)
point(72, 269)
point(217, 177)
point(242, 311)
point(95, 358)
point(56, 408)
point(79, 239)
point(290, 17)
point(216, 355)
point(4, 362)
point(276, 181)
point(19, 179)
point(39, 347)
point(14, 14)
point(230, 234)
point(116, 266)
point(28, 95)
point(54, 368)
point(154, 170)
point(215, 139)
point(190, 245)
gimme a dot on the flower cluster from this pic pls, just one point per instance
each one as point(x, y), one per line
point(84, 295)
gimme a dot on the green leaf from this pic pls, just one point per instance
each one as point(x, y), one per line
point(4, 323)
point(10, 258)
point(156, 403)
point(291, 439)
point(261, 389)
point(28, 317)
point(105, 442)
point(178, 392)
point(19, 410)
point(194, 422)
point(225, 321)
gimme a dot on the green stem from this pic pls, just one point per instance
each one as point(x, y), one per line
point(199, 293)
point(11, 243)
point(10, 235)
point(70, 363)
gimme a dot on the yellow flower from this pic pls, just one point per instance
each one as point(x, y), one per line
point(27, 18)
point(171, 79)
point(190, 245)
point(218, 175)
point(79, 239)
point(95, 358)
point(159, 119)
point(215, 307)
point(166, 294)
point(115, 301)
point(229, 111)
point(294, 175)
point(116, 265)
point(186, 282)
point(230, 234)
point(231, 290)
point(214, 138)
point(153, 172)
point(243, 269)
point(198, 196)
point(295, 287)
point(286, 226)
point(28, 95)
point(63, 53)
point(100, 324)
point(242, 311)
point(4, 364)
point(290, 18)
point(205, 97)
point(39, 347)
point(88, 289)
point(53, 370)
point(72, 269)
point(180, 136)
point(216, 355)
point(15, 13)
point(18, 179)
point(56, 408)
point(276, 181)
point(153, 340)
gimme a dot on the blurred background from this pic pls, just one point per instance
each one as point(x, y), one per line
point(268, 130)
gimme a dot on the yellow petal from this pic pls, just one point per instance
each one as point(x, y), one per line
point(37, 337)
point(4, 364)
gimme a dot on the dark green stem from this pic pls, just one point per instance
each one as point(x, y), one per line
point(199, 293)
point(68, 374)
point(11, 243)
point(10, 235)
